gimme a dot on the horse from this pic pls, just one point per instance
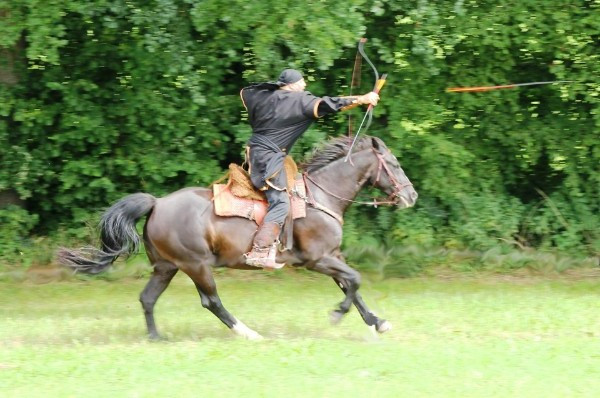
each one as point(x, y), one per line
point(183, 233)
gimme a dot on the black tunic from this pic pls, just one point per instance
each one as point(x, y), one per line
point(278, 118)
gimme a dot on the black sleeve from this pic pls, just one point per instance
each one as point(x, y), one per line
point(332, 104)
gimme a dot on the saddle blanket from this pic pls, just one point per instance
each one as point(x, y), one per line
point(228, 205)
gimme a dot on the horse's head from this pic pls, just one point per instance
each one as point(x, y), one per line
point(388, 176)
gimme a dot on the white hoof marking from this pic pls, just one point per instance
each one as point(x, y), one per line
point(244, 331)
point(384, 327)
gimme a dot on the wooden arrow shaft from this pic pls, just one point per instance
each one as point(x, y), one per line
point(489, 88)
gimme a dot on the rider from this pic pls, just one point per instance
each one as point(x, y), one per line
point(279, 113)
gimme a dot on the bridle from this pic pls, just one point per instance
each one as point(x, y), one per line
point(398, 186)
point(392, 199)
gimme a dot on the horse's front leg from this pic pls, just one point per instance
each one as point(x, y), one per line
point(380, 325)
point(348, 278)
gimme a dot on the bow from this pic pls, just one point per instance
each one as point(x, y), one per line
point(353, 84)
point(379, 83)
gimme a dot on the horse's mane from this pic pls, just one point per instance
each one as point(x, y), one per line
point(333, 149)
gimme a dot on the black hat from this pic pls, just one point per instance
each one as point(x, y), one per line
point(289, 76)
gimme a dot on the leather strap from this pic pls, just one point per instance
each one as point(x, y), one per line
point(310, 199)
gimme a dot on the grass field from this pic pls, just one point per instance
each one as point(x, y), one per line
point(452, 337)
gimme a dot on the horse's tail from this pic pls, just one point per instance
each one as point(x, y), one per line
point(118, 235)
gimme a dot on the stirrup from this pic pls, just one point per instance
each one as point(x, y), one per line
point(263, 258)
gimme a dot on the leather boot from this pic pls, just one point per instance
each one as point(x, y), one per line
point(264, 247)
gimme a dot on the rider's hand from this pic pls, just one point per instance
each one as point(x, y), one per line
point(369, 99)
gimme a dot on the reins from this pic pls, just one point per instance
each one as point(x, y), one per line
point(310, 199)
point(328, 192)
point(381, 166)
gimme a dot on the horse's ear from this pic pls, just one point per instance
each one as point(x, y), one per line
point(377, 144)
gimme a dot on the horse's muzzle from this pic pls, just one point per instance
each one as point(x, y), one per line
point(406, 198)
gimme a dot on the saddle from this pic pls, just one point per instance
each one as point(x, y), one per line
point(239, 198)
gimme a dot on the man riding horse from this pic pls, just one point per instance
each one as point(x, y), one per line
point(279, 113)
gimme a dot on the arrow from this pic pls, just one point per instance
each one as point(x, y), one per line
point(489, 88)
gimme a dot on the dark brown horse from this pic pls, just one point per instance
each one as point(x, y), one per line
point(183, 233)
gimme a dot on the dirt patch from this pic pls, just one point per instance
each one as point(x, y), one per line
point(47, 274)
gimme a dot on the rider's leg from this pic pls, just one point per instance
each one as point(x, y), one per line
point(264, 247)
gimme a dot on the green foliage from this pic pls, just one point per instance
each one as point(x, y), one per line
point(15, 226)
point(117, 96)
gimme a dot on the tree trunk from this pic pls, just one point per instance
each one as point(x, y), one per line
point(8, 56)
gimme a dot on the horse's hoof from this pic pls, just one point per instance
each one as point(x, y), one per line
point(335, 317)
point(384, 327)
point(156, 337)
point(254, 337)
point(244, 331)
point(251, 335)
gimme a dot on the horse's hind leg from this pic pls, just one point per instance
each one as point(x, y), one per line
point(207, 288)
point(164, 271)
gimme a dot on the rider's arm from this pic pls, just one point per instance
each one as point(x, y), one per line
point(328, 105)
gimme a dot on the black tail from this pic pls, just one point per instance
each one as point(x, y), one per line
point(117, 233)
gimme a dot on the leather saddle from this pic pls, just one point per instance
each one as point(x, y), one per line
point(239, 198)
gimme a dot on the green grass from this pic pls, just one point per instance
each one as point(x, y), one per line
point(460, 337)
